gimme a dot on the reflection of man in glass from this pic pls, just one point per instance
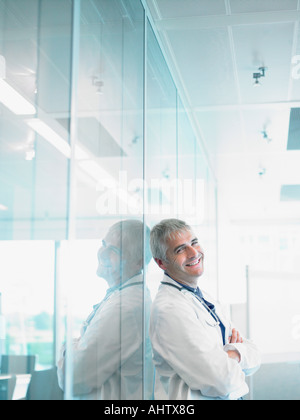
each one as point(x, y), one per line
point(120, 257)
point(108, 358)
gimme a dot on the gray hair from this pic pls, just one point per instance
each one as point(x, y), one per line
point(164, 230)
point(135, 239)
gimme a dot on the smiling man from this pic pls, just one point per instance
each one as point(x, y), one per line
point(197, 352)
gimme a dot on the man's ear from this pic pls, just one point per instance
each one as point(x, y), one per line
point(160, 263)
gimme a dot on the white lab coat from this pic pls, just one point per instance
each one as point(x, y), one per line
point(108, 357)
point(190, 358)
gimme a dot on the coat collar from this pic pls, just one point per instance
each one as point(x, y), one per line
point(196, 290)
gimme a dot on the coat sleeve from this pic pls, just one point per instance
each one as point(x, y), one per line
point(250, 356)
point(249, 352)
point(184, 341)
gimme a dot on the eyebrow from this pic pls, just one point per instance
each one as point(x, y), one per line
point(183, 245)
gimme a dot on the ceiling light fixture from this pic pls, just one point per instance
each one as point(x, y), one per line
point(98, 84)
point(95, 171)
point(3, 208)
point(10, 98)
point(51, 136)
point(14, 101)
point(45, 131)
point(2, 67)
point(258, 76)
point(266, 136)
point(262, 171)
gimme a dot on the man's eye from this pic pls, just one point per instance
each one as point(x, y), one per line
point(179, 250)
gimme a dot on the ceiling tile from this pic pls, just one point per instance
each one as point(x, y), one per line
point(222, 131)
point(266, 130)
point(252, 6)
point(204, 59)
point(267, 45)
point(179, 8)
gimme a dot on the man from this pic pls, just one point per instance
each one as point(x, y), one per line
point(109, 355)
point(197, 353)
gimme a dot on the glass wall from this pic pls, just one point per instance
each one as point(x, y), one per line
point(96, 147)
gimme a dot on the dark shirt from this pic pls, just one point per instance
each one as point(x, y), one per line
point(210, 307)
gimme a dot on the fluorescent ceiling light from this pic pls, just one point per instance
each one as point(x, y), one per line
point(97, 172)
point(51, 136)
point(80, 153)
point(56, 140)
point(2, 67)
point(14, 101)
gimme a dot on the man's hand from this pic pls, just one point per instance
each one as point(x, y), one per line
point(234, 354)
point(235, 338)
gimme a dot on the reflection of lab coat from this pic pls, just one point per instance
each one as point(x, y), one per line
point(190, 359)
point(108, 357)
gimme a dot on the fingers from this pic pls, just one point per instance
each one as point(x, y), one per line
point(235, 337)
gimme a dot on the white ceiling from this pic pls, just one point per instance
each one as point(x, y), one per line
point(214, 47)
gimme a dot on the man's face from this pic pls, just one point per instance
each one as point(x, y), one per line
point(184, 258)
point(109, 258)
point(116, 264)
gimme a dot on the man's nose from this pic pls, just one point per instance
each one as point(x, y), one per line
point(192, 252)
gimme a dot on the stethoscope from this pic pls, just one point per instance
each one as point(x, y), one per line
point(113, 290)
point(210, 311)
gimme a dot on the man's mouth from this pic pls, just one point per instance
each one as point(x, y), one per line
point(194, 263)
point(105, 265)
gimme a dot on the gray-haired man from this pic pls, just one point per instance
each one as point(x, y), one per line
point(197, 352)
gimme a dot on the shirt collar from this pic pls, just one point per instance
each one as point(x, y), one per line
point(196, 290)
point(111, 290)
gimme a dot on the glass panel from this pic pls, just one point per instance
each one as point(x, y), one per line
point(161, 155)
point(35, 74)
point(51, 134)
point(108, 350)
point(161, 145)
point(179, 182)
point(197, 196)
point(93, 153)
point(27, 292)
